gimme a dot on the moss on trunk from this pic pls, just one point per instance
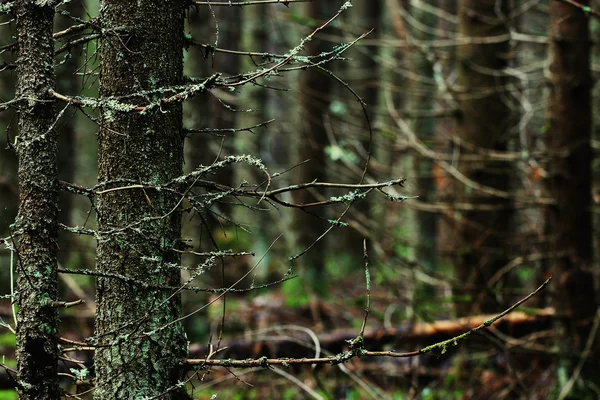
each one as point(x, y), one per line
point(37, 319)
point(141, 348)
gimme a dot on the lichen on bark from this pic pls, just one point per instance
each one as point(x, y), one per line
point(140, 353)
point(37, 321)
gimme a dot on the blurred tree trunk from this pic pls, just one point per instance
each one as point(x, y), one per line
point(364, 75)
point(37, 284)
point(9, 187)
point(68, 82)
point(422, 97)
point(309, 144)
point(223, 105)
point(255, 35)
point(141, 346)
point(482, 125)
point(569, 222)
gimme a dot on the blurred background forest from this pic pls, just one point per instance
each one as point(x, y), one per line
point(483, 106)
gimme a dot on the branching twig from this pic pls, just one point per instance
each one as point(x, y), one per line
point(358, 351)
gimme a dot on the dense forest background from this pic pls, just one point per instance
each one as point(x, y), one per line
point(483, 107)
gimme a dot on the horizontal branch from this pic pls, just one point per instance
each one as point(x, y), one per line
point(357, 346)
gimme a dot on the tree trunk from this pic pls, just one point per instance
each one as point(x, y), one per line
point(422, 96)
point(37, 319)
point(483, 123)
point(141, 347)
point(255, 35)
point(363, 73)
point(9, 186)
point(569, 221)
point(309, 144)
point(68, 82)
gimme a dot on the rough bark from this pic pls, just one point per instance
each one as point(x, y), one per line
point(483, 122)
point(569, 221)
point(141, 346)
point(37, 319)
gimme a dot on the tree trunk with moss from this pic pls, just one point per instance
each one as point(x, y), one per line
point(36, 227)
point(483, 122)
point(569, 221)
point(140, 346)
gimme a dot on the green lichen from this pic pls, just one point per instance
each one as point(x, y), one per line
point(337, 223)
point(349, 198)
point(345, 6)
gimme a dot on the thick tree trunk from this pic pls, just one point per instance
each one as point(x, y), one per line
point(140, 346)
point(569, 221)
point(37, 319)
point(483, 123)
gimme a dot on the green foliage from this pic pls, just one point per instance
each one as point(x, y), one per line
point(295, 293)
point(8, 340)
point(302, 20)
point(338, 108)
point(338, 153)
point(8, 395)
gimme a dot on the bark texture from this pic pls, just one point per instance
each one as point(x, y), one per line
point(483, 124)
point(37, 320)
point(569, 221)
point(141, 346)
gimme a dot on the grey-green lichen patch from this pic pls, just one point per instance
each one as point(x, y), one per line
point(6, 8)
point(337, 223)
point(345, 6)
point(349, 198)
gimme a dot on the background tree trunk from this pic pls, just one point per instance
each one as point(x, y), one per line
point(37, 318)
point(139, 228)
point(9, 187)
point(68, 82)
point(309, 144)
point(482, 124)
point(569, 222)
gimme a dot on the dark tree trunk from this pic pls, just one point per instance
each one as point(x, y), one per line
point(309, 144)
point(483, 123)
point(9, 186)
point(142, 347)
point(255, 35)
point(68, 82)
point(364, 72)
point(569, 221)
point(37, 318)
point(422, 96)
